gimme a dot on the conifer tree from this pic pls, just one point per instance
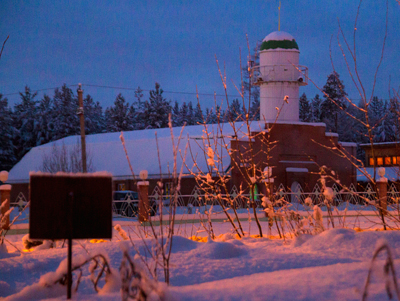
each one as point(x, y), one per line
point(183, 114)
point(175, 114)
point(156, 109)
point(66, 121)
point(137, 111)
point(190, 114)
point(235, 111)
point(118, 117)
point(334, 101)
point(7, 155)
point(316, 108)
point(305, 109)
point(198, 114)
point(94, 119)
point(46, 117)
point(26, 123)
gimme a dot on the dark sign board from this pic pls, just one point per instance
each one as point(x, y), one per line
point(75, 206)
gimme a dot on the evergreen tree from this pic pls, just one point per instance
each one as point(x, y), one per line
point(190, 114)
point(235, 112)
point(7, 155)
point(377, 112)
point(46, 118)
point(66, 121)
point(214, 115)
point(183, 115)
point(198, 114)
point(252, 106)
point(94, 119)
point(156, 109)
point(118, 117)
point(334, 101)
point(316, 108)
point(175, 114)
point(137, 111)
point(305, 109)
point(255, 106)
point(393, 120)
point(26, 123)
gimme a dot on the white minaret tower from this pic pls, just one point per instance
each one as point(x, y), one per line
point(278, 77)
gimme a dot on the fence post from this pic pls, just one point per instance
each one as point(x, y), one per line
point(5, 191)
point(381, 185)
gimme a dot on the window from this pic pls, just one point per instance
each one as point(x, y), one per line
point(394, 160)
point(121, 186)
point(379, 161)
point(371, 162)
point(388, 161)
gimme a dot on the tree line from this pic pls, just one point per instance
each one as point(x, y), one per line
point(34, 122)
point(341, 116)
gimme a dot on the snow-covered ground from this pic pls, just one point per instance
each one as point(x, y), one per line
point(332, 265)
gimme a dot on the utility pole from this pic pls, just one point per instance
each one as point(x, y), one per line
point(82, 122)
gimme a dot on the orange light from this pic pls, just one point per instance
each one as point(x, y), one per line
point(97, 241)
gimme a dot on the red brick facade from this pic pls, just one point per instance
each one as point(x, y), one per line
point(296, 154)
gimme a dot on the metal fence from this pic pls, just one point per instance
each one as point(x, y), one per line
point(296, 197)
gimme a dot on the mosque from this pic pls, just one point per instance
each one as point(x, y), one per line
point(294, 151)
point(297, 149)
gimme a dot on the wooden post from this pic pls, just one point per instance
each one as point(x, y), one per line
point(144, 204)
point(382, 195)
point(5, 191)
point(82, 123)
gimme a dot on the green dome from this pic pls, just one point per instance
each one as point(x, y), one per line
point(279, 39)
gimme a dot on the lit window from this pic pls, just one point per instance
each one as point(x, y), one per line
point(388, 161)
point(394, 160)
point(371, 161)
point(379, 161)
point(398, 160)
point(121, 186)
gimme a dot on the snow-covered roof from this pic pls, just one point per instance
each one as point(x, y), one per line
point(279, 40)
point(107, 153)
point(296, 169)
point(392, 143)
point(391, 173)
point(278, 36)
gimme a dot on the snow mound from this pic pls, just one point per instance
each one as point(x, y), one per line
point(180, 243)
point(218, 250)
point(333, 238)
point(301, 239)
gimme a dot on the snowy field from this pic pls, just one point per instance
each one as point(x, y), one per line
point(332, 265)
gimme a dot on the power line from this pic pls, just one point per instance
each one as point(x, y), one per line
point(170, 92)
point(39, 90)
point(146, 90)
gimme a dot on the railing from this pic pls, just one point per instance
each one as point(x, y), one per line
point(277, 73)
point(299, 200)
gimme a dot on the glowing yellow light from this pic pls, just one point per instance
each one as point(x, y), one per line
point(27, 250)
point(97, 241)
point(198, 239)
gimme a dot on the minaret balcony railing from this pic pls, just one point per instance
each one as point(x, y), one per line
point(280, 73)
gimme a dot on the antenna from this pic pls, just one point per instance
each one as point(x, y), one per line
point(279, 22)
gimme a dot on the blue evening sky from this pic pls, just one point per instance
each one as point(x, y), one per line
point(137, 43)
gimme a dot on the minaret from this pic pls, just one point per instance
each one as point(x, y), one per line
point(278, 76)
